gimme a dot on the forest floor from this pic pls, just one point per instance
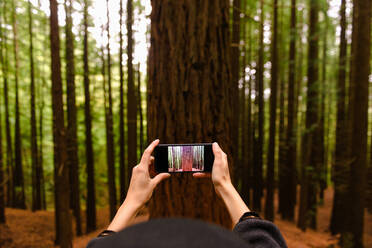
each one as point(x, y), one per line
point(36, 230)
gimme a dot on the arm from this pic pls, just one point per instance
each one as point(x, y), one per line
point(140, 190)
point(257, 232)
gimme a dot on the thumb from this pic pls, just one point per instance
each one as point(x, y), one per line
point(160, 177)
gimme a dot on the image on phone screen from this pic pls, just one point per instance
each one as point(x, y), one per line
point(180, 158)
point(185, 158)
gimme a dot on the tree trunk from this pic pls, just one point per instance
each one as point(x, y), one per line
point(270, 177)
point(339, 172)
point(62, 210)
point(235, 56)
point(287, 173)
point(36, 191)
point(322, 166)
point(308, 199)
point(71, 135)
point(91, 192)
point(110, 152)
point(131, 96)
point(139, 98)
point(40, 172)
point(189, 92)
point(9, 144)
point(358, 109)
point(19, 188)
point(122, 166)
point(2, 182)
point(258, 165)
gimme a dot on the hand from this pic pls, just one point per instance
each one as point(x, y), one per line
point(220, 171)
point(141, 184)
point(140, 190)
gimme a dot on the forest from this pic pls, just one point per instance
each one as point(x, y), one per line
point(283, 86)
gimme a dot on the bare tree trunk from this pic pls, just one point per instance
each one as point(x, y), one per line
point(122, 166)
point(131, 96)
point(19, 188)
point(308, 199)
point(62, 200)
point(358, 111)
point(9, 145)
point(287, 173)
point(110, 129)
point(91, 192)
point(139, 98)
point(235, 55)
point(71, 135)
point(189, 96)
point(2, 181)
point(270, 185)
point(339, 171)
point(36, 192)
point(258, 165)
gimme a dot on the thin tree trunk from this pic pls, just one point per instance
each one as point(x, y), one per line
point(36, 192)
point(322, 166)
point(270, 185)
point(62, 210)
point(308, 199)
point(2, 182)
point(358, 111)
point(235, 56)
point(19, 197)
point(131, 96)
point(122, 166)
point(139, 98)
point(9, 143)
point(258, 165)
point(339, 172)
point(91, 192)
point(71, 135)
point(41, 144)
point(287, 173)
point(110, 148)
point(189, 96)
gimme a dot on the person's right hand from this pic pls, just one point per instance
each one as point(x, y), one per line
point(220, 171)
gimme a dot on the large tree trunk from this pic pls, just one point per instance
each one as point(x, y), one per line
point(358, 111)
point(189, 97)
point(36, 192)
point(287, 173)
point(19, 197)
point(258, 165)
point(123, 170)
point(62, 200)
point(110, 148)
point(308, 199)
point(131, 95)
point(71, 135)
point(270, 185)
point(91, 192)
point(339, 171)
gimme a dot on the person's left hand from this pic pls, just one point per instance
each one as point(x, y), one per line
point(141, 184)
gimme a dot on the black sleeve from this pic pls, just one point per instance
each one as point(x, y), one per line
point(260, 233)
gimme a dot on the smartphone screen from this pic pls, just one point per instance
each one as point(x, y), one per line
point(175, 158)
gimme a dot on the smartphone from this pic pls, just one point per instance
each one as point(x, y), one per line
point(178, 158)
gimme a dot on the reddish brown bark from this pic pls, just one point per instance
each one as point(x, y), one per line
point(189, 97)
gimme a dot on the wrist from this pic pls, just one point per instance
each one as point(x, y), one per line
point(224, 188)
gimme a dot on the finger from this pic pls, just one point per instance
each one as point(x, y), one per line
point(160, 177)
point(147, 153)
point(217, 151)
point(201, 175)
